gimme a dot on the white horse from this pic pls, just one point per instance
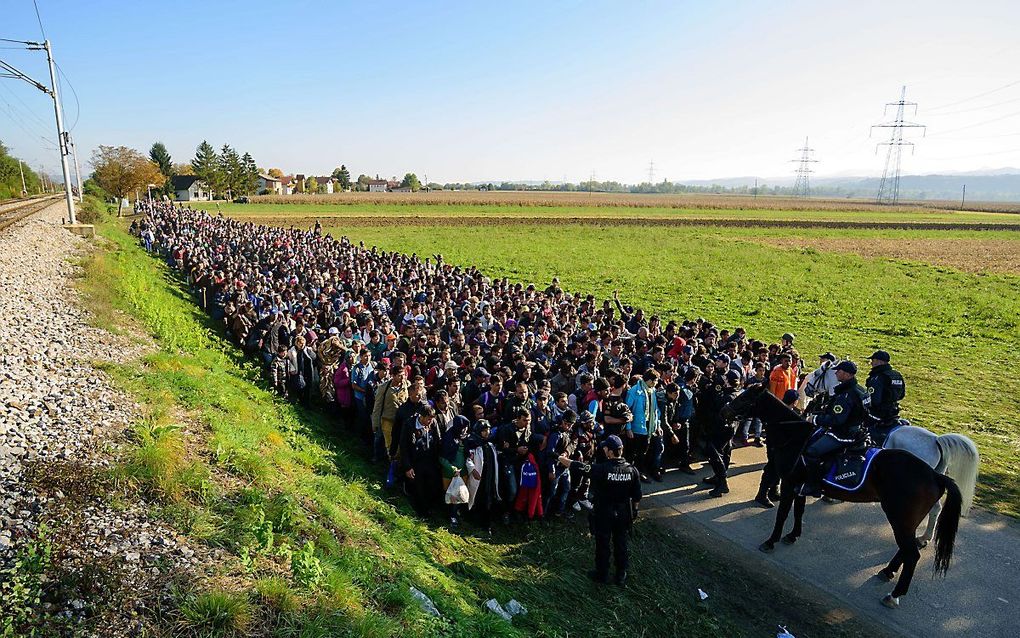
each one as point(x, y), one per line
point(954, 455)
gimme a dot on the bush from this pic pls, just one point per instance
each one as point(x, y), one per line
point(91, 211)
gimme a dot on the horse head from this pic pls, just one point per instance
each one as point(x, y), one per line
point(743, 404)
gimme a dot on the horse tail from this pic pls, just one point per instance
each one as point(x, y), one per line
point(962, 459)
point(948, 524)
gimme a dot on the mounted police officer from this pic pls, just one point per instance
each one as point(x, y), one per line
point(887, 389)
point(840, 425)
point(616, 491)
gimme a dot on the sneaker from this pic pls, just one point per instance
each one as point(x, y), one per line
point(763, 500)
point(576, 506)
point(657, 476)
point(774, 495)
point(645, 479)
point(711, 480)
point(586, 504)
point(719, 490)
point(758, 442)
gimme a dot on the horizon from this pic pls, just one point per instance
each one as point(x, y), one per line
point(464, 95)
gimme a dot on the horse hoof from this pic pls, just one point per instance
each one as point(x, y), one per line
point(768, 547)
point(890, 601)
point(885, 575)
point(921, 542)
point(789, 539)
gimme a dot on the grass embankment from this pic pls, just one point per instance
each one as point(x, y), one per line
point(307, 212)
point(952, 334)
point(315, 547)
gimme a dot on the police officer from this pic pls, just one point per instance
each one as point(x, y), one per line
point(616, 491)
point(716, 391)
point(887, 389)
point(839, 425)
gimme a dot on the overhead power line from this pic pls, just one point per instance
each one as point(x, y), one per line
point(974, 97)
point(889, 187)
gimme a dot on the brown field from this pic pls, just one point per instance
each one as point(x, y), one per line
point(970, 255)
point(427, 221)
point(635, 200)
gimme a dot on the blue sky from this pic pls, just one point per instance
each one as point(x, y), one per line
point(524, 90)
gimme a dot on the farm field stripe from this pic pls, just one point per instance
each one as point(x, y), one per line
point(378, 221)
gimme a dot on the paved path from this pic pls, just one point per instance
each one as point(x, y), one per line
point(844, 545)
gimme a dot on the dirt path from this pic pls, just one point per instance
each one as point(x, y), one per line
point(845, 545)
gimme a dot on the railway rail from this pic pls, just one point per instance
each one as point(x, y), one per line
point(14, 211)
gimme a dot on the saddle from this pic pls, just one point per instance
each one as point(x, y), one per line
point(879, 432)
point(849, 469)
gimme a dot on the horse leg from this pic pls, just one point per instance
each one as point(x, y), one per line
point(798, 517)
point(904, 516)
point(888, 572)
point(929, 530)
point(785, 501)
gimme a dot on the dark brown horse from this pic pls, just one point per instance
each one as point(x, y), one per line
point(904, 484)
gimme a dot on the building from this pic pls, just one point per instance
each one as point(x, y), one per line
point(287, 184)
point(376, 186)
point(187, 188)
point(401, 189)
point(325, 184)
point(269, 185)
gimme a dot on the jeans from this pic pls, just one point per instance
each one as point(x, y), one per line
point(747, 424)
point(656, 448)
point(556, 495)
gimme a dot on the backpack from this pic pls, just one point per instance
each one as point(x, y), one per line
point(529, 475)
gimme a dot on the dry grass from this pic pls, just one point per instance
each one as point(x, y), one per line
point(691, 200)
point(970, 255)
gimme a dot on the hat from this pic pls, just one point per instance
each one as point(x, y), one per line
point(847, 366)
point(613, 442)
point(828, 355)
point(733, 375)
point(688, 349)
point(788, 336)
point(482, 372)
point(451, 365)
point(725, 358)
point(480, 424)
point(333, 330)
point(881, 355)
point(586, 417)
point(790, 396)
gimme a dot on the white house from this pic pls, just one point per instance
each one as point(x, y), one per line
point(325, 182)
point(376, 186)
point(187, 188)
point(269, 185)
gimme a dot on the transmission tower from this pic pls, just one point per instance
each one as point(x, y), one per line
point(651, 172)
point(889, 187)
point(802, 187)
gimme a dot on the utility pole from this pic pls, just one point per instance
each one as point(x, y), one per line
point(889, 187)
point(24, 189)
point(62, 139)
point(651, 172)
point(802, 187)
point(963, 198)
point(77, 171)
point(756, 188)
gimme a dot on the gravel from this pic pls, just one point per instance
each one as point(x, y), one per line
point(58, 411)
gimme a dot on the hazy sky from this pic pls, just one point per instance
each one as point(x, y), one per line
point(525, 90)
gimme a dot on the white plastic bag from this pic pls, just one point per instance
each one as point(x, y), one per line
point(457, 493)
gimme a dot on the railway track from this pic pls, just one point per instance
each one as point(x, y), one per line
point(14, 211)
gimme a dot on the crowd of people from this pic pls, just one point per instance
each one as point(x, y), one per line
point(495, 394)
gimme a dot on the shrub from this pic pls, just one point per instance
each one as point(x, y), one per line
point(216, 613)
point(91, 210)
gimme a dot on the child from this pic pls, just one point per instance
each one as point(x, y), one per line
point(278, 370)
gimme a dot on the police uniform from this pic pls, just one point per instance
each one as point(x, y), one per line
point(886, 389)
point(716, 391)
point(615, 493)
point(839, 426)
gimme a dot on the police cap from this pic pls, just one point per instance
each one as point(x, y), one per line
point(881, 355)
point(847, 366)
point(613, 442)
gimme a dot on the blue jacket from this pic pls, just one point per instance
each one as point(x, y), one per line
point(640, 405)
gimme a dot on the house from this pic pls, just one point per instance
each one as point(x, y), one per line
point(325, 184)
point(187, 188)
point(401, 189)
point(287, 184)
point(376, 186)
point(269, 185)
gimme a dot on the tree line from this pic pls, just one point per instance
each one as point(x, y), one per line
point(11, 171)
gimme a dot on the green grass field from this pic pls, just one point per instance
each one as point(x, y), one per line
point(299, 211)
point(315, 547)
point(952, 334)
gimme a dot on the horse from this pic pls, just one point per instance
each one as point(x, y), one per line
point(954, 455)
point(905, 485)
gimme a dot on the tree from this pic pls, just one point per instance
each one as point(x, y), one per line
point(311, 185)
point(183, 169)
point(121, 170)
point(362, 183)
point(10, 176)
point(206, 166)
point(161, 158)
point(411, 180)
point(231, 171)
point(250, 173)
point(275, 172)
point(343, 177)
